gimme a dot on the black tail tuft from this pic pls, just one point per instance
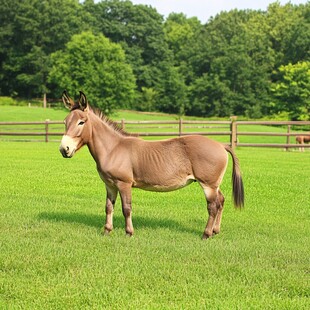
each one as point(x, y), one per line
point(237, 183)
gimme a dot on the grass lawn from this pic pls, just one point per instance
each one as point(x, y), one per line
point(53, 256)
point(26, 114)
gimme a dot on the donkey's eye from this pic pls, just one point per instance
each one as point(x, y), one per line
point(81, 123)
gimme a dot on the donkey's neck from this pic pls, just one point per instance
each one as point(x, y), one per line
point(103, 139)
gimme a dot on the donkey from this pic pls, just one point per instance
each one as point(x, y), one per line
point(125, 161)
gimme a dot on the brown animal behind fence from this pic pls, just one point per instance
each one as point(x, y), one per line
point(124, 162)
point(302, 140)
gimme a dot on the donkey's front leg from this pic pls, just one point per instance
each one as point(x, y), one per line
point(125, 192)
point(109, 208)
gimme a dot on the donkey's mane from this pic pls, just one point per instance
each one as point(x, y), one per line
point(114, 125)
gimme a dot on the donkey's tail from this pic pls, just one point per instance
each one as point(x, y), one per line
point(237, 183)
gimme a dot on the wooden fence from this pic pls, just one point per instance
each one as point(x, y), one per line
point(229, 132)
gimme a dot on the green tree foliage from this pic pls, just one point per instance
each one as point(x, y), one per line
point(30, 30)
point(287, 28)
point(292, 90)
point(226, 67)
point(139, 29)
point(229, 63)
point(234, 64)
point(183, 36)
point(94, 64)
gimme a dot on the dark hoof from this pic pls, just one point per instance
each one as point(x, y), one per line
point(205, 237)
point(106, 232)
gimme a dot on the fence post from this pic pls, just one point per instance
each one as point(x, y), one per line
point(288, 137)
point(180, 127)
point(46, 129)
point(123, 124)
point(233, 129)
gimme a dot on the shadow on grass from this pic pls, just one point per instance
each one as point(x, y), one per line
point(98, 221)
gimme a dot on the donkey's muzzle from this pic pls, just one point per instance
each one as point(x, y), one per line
point(67, 147)
point(63, 152)
point(66, 152)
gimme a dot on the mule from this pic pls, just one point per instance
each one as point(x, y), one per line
point(125, 162)
point(302, 140)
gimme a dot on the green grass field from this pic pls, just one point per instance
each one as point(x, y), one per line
point(53, 255)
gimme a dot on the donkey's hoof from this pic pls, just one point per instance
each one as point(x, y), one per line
point(205, 236)
point(216, 232)
point(106, 231)
point(129, 235)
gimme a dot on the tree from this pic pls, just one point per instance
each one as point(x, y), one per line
point(292, 91)
point(139, 30)
point(223, 63)
point(283, 22)
point(183, 35)
point(225, 66)
point(172, 91)
point(94, 64)
point(30, 31)
point(147, 100)
point(298, 44)
point(209, 96)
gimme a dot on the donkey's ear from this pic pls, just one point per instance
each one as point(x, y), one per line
point(68, 102)
point(83, 101)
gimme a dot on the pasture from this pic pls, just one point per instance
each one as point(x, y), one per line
point(53, 255)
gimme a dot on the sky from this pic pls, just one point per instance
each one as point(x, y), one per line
point(204, 9)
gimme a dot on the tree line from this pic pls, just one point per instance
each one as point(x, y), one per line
point(243, 62)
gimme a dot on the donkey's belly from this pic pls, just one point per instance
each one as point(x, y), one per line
point(164, 186)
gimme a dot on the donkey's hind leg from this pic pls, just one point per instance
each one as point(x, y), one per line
point(125, 193)
point(220, 205)
point(213, 210)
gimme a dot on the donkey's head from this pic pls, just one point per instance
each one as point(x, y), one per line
point(78, 128)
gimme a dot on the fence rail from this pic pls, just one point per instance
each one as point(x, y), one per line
point(229, 131)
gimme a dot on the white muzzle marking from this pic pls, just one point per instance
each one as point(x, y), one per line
point(68, 146)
